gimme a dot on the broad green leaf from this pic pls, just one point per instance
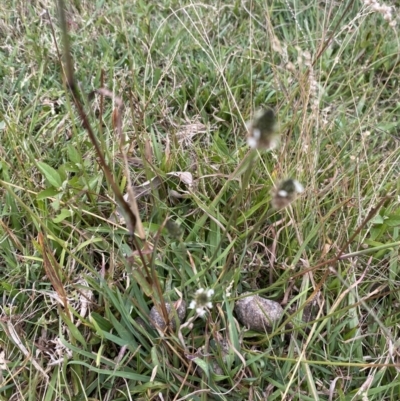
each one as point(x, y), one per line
point(51, 174)
point(377, 231)
point(71, 168)
point(47, 193)
point(393, 220)
point(64, 213)
point(378, 219)
point(73, 154)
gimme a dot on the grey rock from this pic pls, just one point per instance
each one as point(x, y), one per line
point(258, 314)
point(178, 309)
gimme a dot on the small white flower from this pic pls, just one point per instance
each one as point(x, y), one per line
point(201, 311)
point(202, 301)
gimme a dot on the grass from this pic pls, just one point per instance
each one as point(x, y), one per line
point(190, 75)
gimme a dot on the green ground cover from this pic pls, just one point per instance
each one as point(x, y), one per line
point(184, 78)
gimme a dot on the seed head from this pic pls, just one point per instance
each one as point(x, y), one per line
point(286, 193)
point(261, 131)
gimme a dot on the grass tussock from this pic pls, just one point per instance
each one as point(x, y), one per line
point(171, 93)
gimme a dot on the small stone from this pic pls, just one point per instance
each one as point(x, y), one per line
point(258, 314)
point(157, 320)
